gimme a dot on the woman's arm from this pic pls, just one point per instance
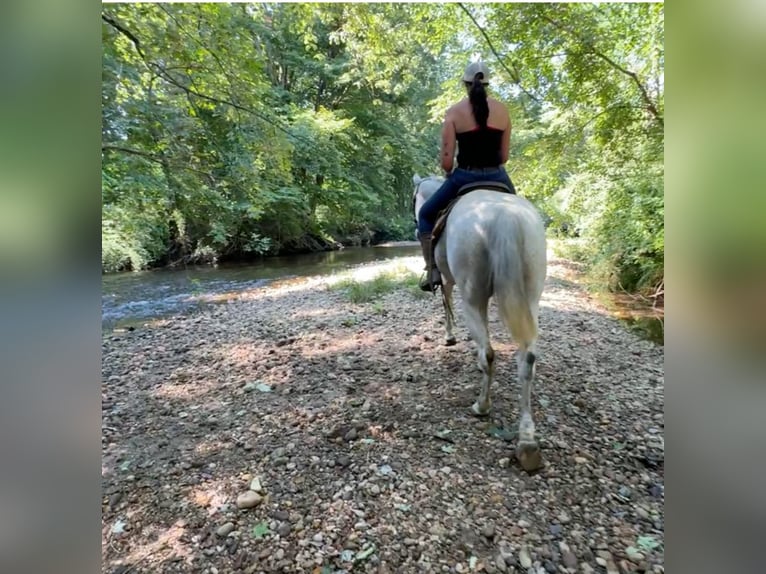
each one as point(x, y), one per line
point(448, 142)
point(505, 145)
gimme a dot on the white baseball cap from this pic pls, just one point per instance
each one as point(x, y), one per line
point(476, 68)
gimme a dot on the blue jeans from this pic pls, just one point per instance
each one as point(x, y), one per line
point(448, 191)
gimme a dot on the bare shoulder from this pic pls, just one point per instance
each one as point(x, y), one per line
point(497, 106)
point(458, 108)
point(498, 113)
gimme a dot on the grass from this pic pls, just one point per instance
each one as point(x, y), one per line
point(365, 291)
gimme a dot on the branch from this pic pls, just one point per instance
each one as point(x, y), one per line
point(147, 155)
point(168, 77)
point(114, 24)
point(514, 76)
point(156, 159)
point(587, 43)
point(606, 110)
point(201, 44)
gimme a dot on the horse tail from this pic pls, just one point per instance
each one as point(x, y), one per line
point(512, 284)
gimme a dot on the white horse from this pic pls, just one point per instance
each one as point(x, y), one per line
point(494, 245)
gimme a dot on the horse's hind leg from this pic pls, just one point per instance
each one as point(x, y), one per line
point(521, 319)
point(527, 449)
point(447, 288)
point(475, 312)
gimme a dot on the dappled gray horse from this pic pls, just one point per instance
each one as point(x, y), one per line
point(494, 245)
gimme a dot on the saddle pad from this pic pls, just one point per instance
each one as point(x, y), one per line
point(441, 219)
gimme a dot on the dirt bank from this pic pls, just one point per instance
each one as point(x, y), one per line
point(327, 411)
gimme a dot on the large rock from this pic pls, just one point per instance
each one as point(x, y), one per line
point(248, 499)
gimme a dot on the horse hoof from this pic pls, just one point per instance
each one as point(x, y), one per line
point(450, 341)
point(528, 454)
point(478, 412)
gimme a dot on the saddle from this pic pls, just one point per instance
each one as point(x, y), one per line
point(441, 219)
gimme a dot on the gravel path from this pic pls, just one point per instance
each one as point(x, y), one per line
point(289, 430)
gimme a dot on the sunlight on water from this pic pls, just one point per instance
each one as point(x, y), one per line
point(130, 299)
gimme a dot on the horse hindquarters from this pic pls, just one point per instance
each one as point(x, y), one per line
point(518, 272)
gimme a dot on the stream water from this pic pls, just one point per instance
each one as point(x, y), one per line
point(129, 299)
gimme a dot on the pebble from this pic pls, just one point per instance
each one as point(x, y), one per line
point(385, 470)
point(523, 523)
point(580, 460)
point(437, 530)
point(255, 485)
point(248, 499)
point(350, 435)
point(488, 531)
point(504, 462)
point(500, 563)
point(225, 529)
point(114, 500)
point(569, 559)
point(524, 558)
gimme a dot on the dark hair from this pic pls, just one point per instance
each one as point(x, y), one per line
point(477, 95)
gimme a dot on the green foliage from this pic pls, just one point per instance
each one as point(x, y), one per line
point(251, 129)
point(591, 156)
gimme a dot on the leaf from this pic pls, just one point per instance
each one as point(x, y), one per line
point(368, 440)
point(263, 387)
point(618, 446)
point(472, 562)
point(448, 449)
point(363, 554)
point(260, 530)
point(444, 435)
point(347, 556)
point(119, 526)
point(631, 551)
point(647, 542)
point(403, 507)
point(501, 433)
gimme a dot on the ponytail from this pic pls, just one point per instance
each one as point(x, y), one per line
point(477, 95)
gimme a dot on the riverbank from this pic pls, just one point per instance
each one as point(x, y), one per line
point(349, 424)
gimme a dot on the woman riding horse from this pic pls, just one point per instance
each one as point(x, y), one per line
point(481, 127)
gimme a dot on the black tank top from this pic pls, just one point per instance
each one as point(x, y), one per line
point(479, 148)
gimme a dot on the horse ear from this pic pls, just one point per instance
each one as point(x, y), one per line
point(416, 179)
